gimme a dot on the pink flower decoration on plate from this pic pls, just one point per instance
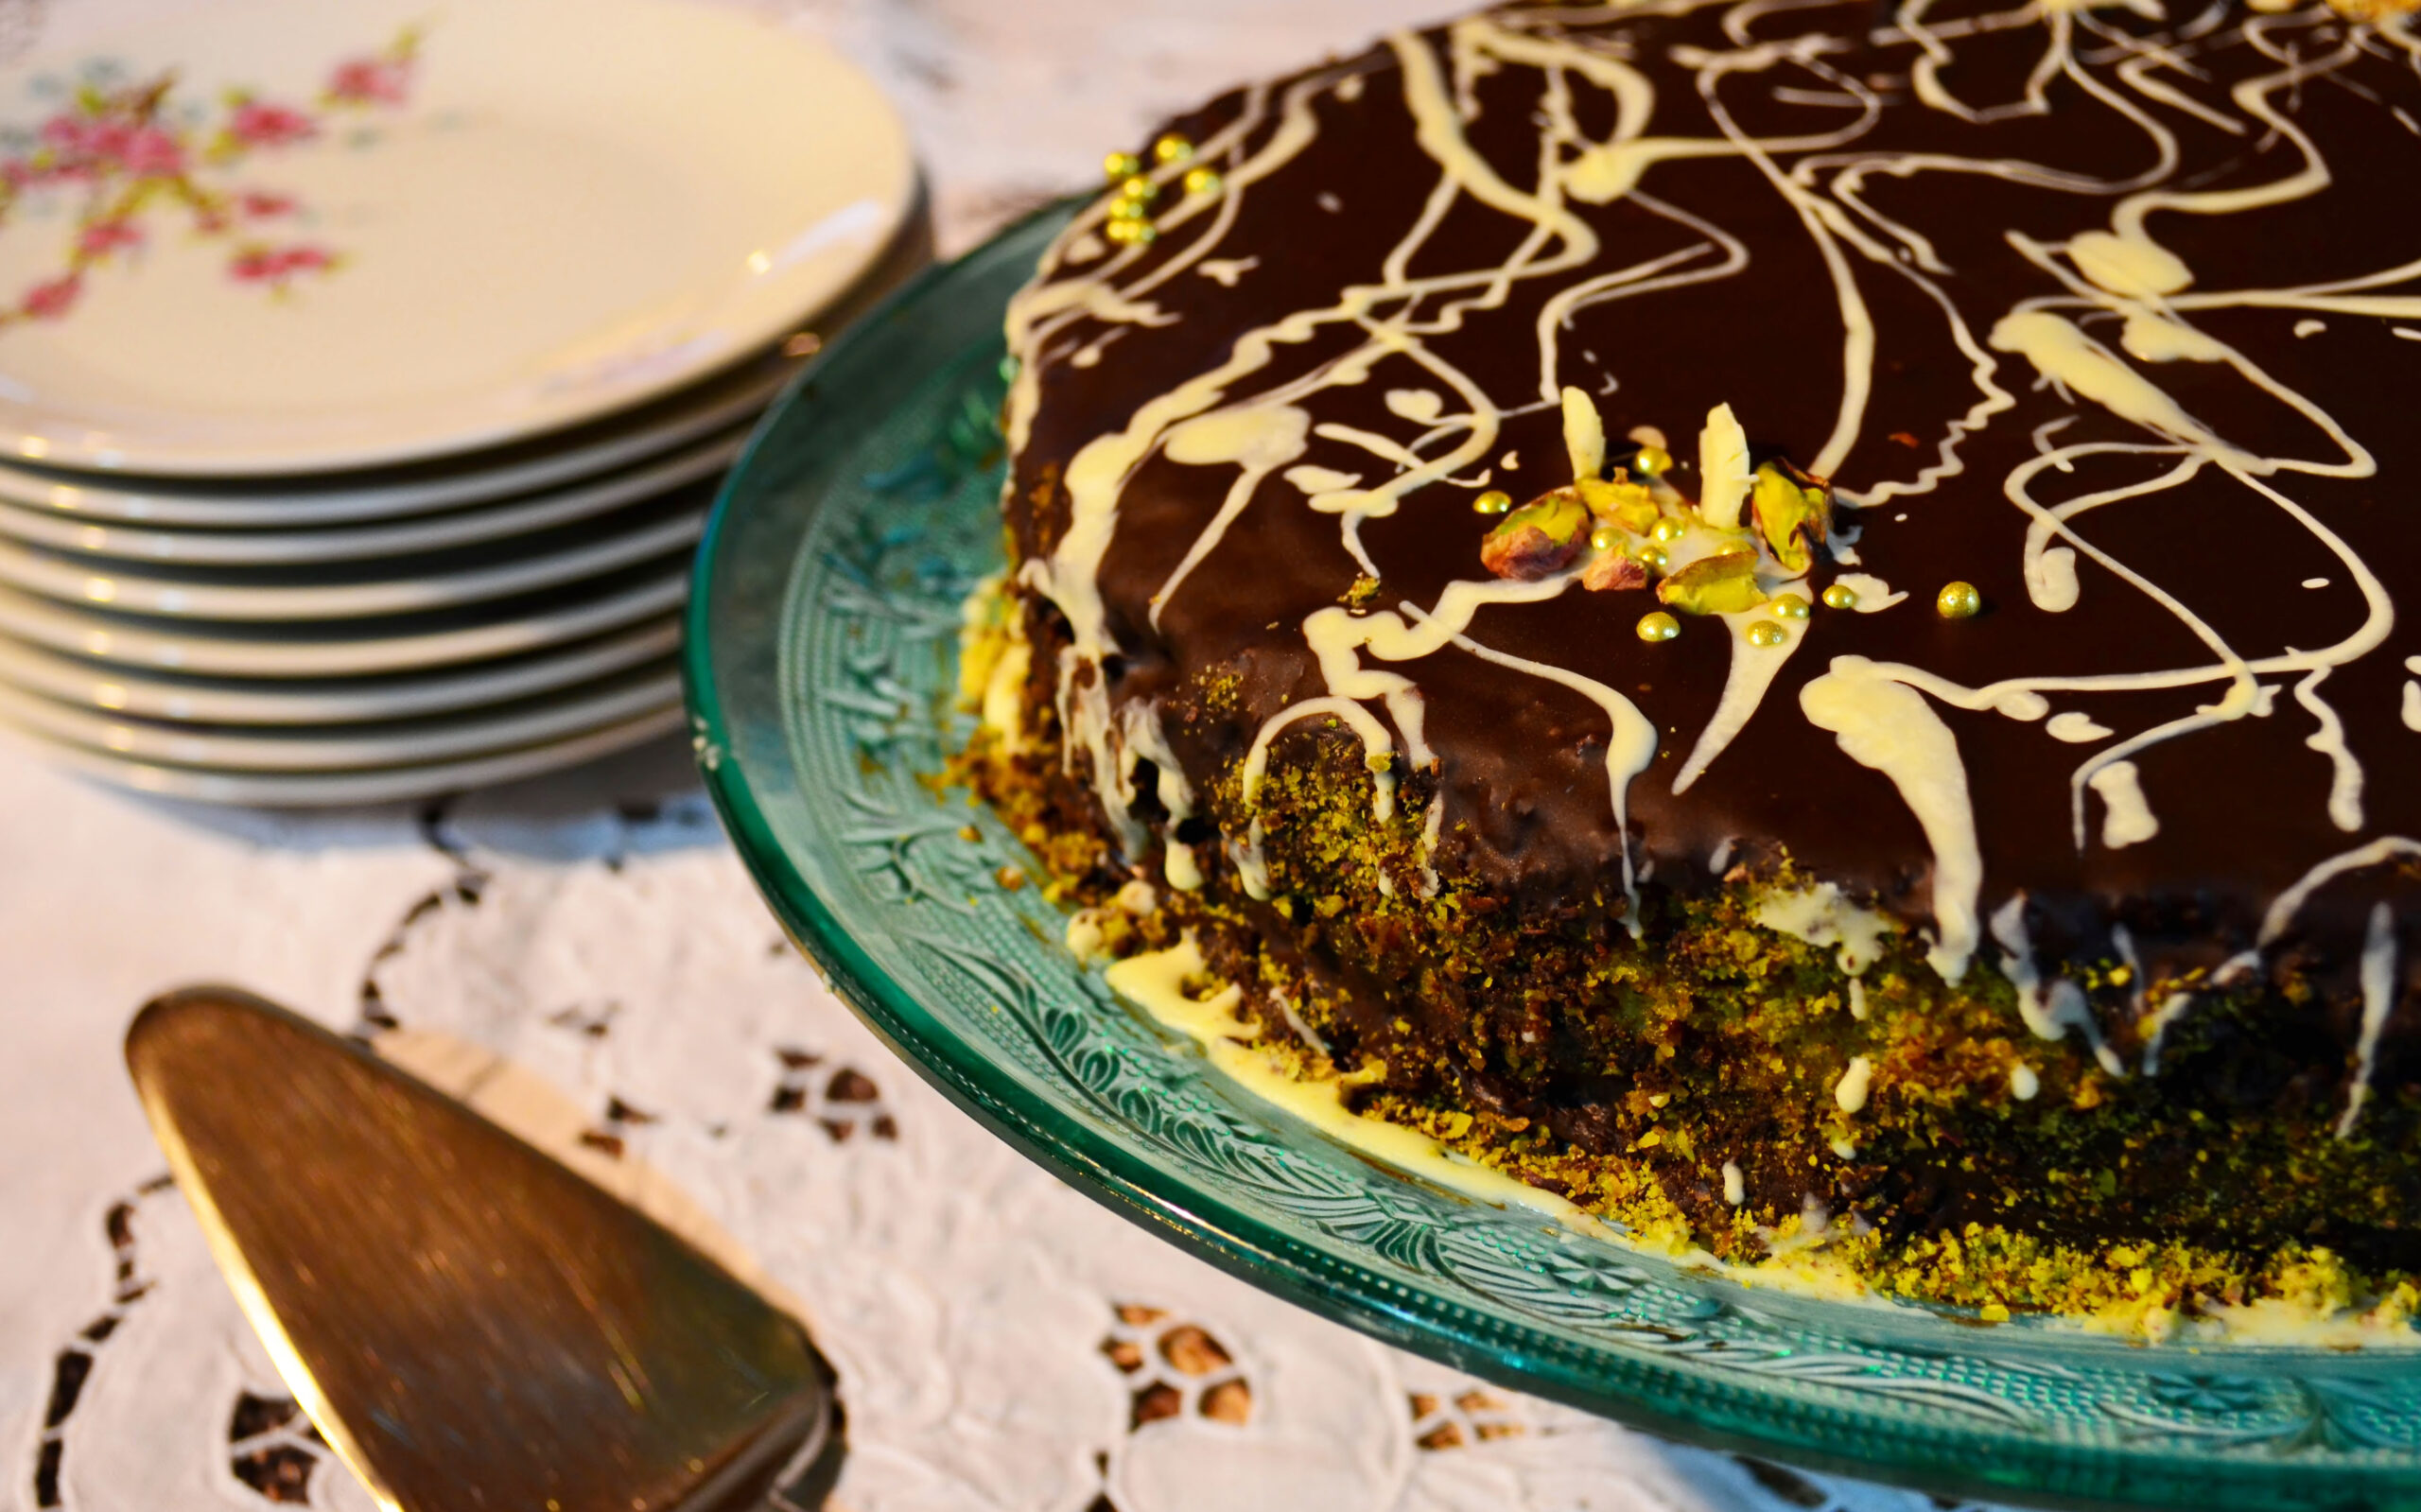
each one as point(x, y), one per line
point(103, 238)
point(382, 78)
point(127, 156)
point(255, 123)
point(152, 154)
point(371, 81)
point(48, 302)
point(278, 266)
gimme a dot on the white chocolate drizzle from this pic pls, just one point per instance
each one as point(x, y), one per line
point(1873, 594)
point(1750, 672)
point(2126, 818)
point(1145, 740)
point(1824, 916)
point(1584, 434)
point(2156, 1027)
point(2051, 1008)
point(1883, 723)
point(2121, 319)
point(1258, 439)
point(1849, 1093)
point(2283, 910)
point(1723, 468)
point(2378, 975)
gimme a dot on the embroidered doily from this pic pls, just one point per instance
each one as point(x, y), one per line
point(1003, 1342)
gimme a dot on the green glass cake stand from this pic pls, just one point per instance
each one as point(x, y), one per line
point(822, 665)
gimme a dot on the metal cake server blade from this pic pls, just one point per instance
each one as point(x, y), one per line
point(472, 1326)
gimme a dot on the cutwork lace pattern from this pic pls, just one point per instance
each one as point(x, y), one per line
point(1003, 1343)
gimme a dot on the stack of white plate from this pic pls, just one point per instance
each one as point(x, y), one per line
point(366, 372)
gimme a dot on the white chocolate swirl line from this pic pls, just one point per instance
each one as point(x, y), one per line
point(1883, 723)
point(1377, 746)
point(2377, 974)
point(1630, 742)
point(2050, 1010)
point(2284, 909)
point(2120, 320)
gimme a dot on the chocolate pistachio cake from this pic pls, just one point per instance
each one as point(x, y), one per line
point(1783, 619)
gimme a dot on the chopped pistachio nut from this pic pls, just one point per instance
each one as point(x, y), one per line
point(1794, 513)
point(1621, 502)
point(1611, 571)
point(1540, 539)
point(1365, 590)
point(1658, 625)
point(1725, 583)
point(1841, 596)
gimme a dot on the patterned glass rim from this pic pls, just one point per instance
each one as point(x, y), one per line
point(2345, 1439)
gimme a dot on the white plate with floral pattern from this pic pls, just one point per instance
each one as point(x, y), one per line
point(391, 784)
point(291, 237)
point(322, 593)
point(368, 649)
point(350, 748)
point(554, 462)
point(183, 699)
point(586, 500)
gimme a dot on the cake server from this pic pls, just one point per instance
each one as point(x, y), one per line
point(471, 1326)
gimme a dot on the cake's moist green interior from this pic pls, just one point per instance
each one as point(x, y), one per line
point(1540, 1038)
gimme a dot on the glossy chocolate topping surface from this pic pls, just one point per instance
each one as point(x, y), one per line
point(2114, 316)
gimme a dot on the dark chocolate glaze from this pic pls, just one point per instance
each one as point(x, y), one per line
point(2242, 807)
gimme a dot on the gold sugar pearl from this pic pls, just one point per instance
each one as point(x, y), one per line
point(1766, 632)
point(1790, 606)
point(1658, 625)
point(1123, 208)
point(1172, 148)
point(1120, 165)
point(1137, 187)
point(1839, 596)
point(1131, 232)
point(1958, 601)
point(1654, 558)
point(1652, 460)
point(1495, 501)
point(1605, 538)
point(1203, 180)
point(1669, 530)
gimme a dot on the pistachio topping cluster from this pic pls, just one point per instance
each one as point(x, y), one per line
point(1624, 525)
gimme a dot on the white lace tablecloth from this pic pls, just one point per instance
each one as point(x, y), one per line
point(1003, 1342)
